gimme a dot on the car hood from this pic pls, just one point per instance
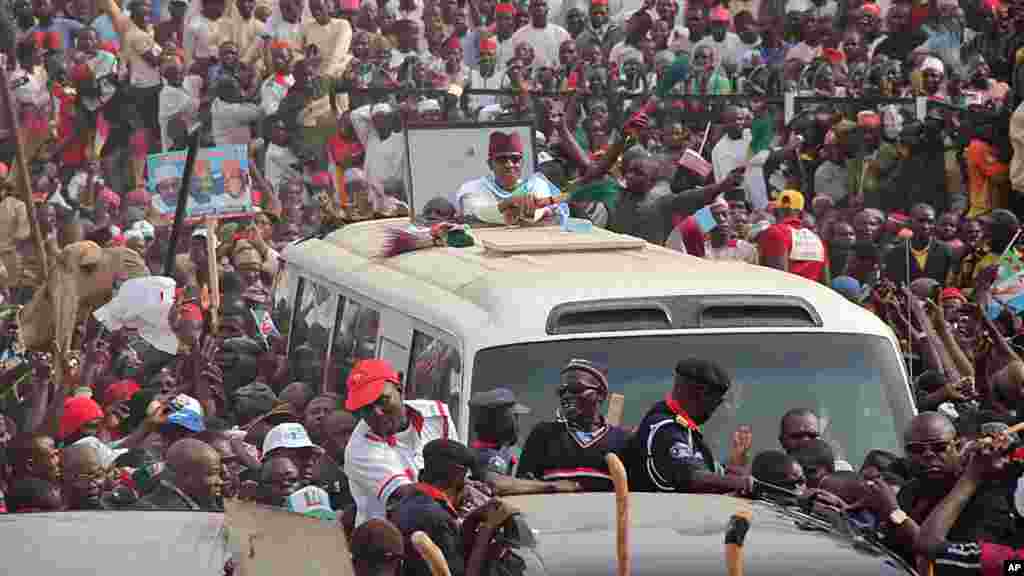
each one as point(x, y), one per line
point(114, 543)
point(674, 534)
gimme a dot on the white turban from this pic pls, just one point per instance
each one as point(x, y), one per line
point(934, 64)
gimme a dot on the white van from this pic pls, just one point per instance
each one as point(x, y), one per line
point(456, 321)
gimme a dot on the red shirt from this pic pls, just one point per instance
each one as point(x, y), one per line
point(777, 241)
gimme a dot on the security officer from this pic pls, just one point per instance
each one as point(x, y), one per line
point(496, 423)
point(668, 452)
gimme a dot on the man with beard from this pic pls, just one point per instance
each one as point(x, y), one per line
point(481, 199)
point(732, 150)
point(947, 34)
point(574, 446)
point(485, 77)
point(192, 480)
point(496, 423)
point(544, 36)
point(933, 456)
point(668, 452)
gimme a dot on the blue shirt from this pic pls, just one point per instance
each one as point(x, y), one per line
point(105, 29)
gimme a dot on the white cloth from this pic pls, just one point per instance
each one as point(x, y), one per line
point(106, 454)
point(77, 184)
point(479, 198)
point(545, 41)
point(104, 70)
point(278, 166)
point(729, 154)
point(738, 251)
point(385, 158)
point(273, 91)
point(143, 304)
point(376, 467)
point(478, 82)
point(174, 101)
point(231, 121)
point(728, 50)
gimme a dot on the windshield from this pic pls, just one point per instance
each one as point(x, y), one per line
point(852, 381)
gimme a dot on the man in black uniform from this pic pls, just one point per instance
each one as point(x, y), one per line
point(496, 423)
point(574, 446)
point(668, 452)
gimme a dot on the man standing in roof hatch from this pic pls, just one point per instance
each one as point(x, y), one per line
point(668, 452)
point(496, 423)
point(479, 200)
point(385, 452)
point(574, 446)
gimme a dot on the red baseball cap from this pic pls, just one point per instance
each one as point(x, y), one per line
point(367, 381)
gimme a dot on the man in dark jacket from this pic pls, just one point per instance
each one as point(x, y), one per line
point(928, 258)
point(193, 480)
point(668, 452)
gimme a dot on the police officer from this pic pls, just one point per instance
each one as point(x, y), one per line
point(496, 423)
point(668, 452)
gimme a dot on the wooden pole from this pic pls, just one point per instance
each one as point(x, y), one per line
point(25, 183)
point(622, 513)
point(213, 266)
point(431, 554)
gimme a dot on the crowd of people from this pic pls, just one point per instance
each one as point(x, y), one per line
point(658, 119)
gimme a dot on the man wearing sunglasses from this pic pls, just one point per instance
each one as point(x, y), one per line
point(573, 447)
point(668, 452)
point(478, 200)
point(932, 449)
point(385, 451)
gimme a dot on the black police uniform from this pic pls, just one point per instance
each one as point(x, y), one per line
point(556, 451)
point(666, 450)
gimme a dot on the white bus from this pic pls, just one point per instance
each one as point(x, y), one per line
point(460, 320)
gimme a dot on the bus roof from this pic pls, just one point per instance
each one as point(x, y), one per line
point(459, 289)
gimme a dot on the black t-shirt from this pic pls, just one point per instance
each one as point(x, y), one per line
point(554, 451)
point(421, 511)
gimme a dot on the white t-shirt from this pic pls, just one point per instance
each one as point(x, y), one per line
point(376, 466)
point(385, 158)
point(729, 154)
point(479, 198)
point(728, 50)
point(545, 41)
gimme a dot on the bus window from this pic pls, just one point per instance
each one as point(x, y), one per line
point(435, 371)
point(309, 333)
point(355, 338)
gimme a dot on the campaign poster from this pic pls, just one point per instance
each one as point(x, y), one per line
point(220, 186)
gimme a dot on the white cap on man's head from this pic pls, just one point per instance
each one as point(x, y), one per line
point(286, 435)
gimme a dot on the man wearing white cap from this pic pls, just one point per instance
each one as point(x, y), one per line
point(933, 72)
point(429, 111)
point(167, 181)
point(291, 440)
point(375, 126)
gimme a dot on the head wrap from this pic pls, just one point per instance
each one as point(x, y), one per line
point(453, 43)
point(120, 391)
point(505, 8)
point(425, 106)
point(719, 14)
point(868, 119)
point(934, 64)
point(951, 294)
point(871, 8)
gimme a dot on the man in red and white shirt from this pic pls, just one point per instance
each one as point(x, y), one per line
point(386, 449)
point(789, 246)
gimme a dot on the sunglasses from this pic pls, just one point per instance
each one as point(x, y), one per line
point(921, 448)
point(514, 160)
point(804, 435)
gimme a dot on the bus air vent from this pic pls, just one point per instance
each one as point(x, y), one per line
point(755, 316)
point(605, 316)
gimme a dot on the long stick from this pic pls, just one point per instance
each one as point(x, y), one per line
point(21, 171)
point(183, 191)
point(213, 267)
point(430, 553)
point(619, 479)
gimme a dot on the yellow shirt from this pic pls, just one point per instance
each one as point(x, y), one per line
point(921, 256)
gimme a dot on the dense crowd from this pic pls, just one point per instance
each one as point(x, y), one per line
point(896, 180)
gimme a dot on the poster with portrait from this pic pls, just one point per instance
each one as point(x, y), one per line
point(220, 185)
point(443, 157)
